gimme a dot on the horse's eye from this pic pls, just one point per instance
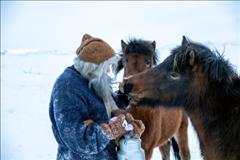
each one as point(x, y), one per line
point(174, 76)
point(147, 61)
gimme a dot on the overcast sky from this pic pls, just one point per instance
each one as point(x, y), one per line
point(60, 25)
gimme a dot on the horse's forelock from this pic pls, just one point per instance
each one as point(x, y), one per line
point(178, 59)
point(175, 66)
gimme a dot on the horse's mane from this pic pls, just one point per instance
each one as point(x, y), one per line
point(138, 46)
point(213, 64)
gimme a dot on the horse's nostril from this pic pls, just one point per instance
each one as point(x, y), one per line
point(127, 87)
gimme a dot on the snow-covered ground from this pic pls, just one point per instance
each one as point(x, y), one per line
point(26, 84)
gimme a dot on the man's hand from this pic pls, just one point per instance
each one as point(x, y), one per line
point(114, 129)
point(137, 124)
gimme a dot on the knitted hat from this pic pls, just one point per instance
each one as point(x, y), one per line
point(94, 50)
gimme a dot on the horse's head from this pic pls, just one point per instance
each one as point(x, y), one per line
point(137, 56)
point(186, 73)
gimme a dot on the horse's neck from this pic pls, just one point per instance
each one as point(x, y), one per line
point(215, 116)
point(207, 149)
point(218, 130)
point(202, 113)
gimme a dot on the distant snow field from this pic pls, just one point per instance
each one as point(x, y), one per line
point(27, 81)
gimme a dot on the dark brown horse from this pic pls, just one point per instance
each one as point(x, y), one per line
point(206, 85)
point(140, 55)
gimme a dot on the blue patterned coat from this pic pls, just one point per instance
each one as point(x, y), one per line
point(73, 102)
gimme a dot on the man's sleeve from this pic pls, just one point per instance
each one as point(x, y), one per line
point(69, 112)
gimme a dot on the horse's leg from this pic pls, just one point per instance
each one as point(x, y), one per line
point(165, 150)
point(148, 151)
point(182, 137)
point(148, 154)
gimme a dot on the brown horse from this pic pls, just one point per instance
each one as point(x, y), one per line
point(206, 85)
point(140, 55)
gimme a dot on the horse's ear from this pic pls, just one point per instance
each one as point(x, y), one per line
point(185, 42)
point(153, 45)
point(190, 53)
point(123, 45)
point(190, 56)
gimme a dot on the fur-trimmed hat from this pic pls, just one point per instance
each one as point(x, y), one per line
point(94, 50)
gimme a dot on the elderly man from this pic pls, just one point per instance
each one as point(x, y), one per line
point(81, 104)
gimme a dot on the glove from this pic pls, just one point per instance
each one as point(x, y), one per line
point(114, 129)
point(137, 125)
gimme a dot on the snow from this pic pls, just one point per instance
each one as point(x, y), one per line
point(26, 87)
point(37, 46)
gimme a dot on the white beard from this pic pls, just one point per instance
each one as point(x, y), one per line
point(99, 80)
